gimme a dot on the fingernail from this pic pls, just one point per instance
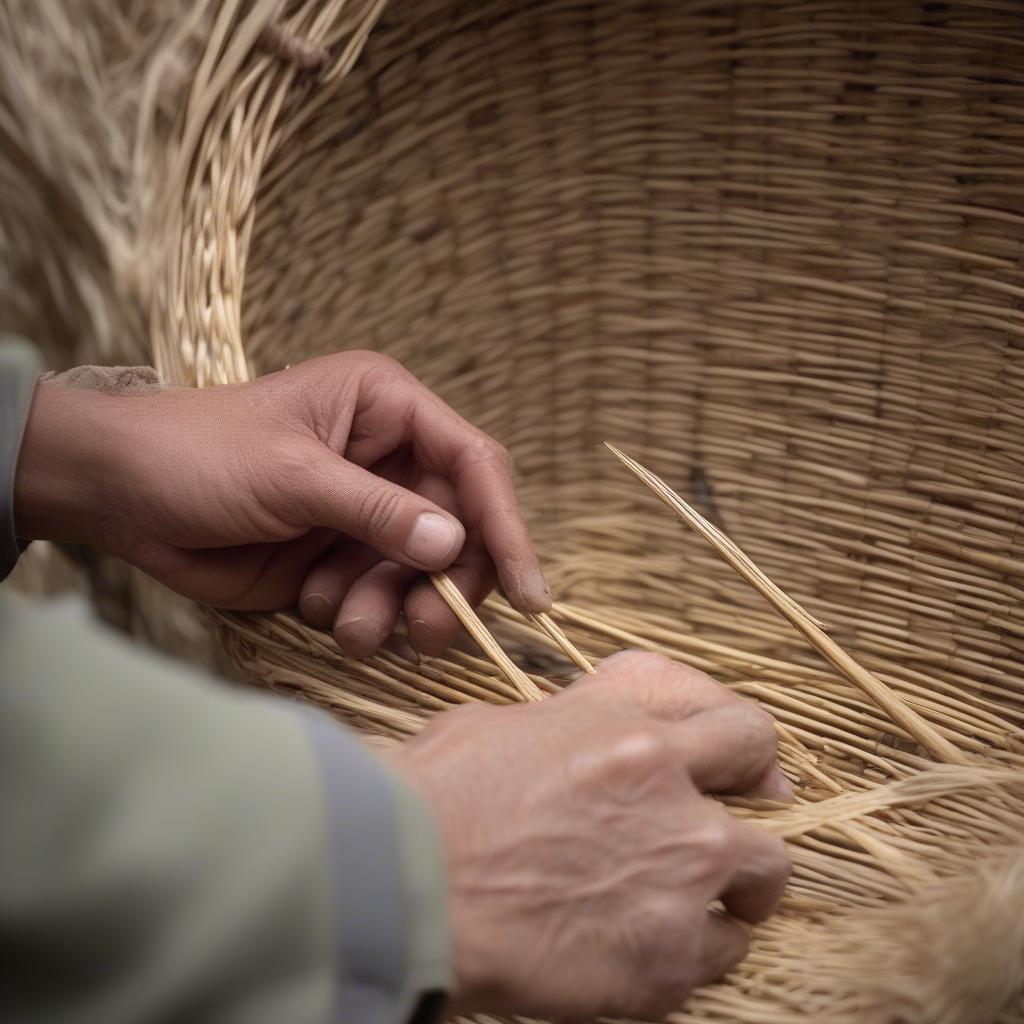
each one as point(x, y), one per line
point(358, 637)
point(778, 787)
point(422, 632)
point(316, 610)
point(432, 540)
point(534, 592)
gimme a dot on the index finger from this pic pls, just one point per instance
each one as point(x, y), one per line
point(664, 688)
point(482, 476)
point(446, 444)
point(675, 692)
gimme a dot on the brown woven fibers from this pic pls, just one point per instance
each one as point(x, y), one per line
point(773, 250)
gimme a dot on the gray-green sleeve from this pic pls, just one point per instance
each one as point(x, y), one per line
point(173, 849)
point(19, 368)
point(398, 839)
point(176, 850)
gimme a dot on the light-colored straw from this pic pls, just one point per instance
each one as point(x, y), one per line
point(891, 703)
point(553, 630)
point(482, 635)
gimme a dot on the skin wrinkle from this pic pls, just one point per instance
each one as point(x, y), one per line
point(332, 429)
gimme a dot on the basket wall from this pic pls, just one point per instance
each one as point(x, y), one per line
point(772, 249)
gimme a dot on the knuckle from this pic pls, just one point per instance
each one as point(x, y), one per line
point(482, 449)
point(371, 360)
point(625, 669)
point(624, 763)
point(697, 677)
point(499, 454)
point(378, 509)
point(640, 749)
point(713, 840)
point(648, 661)
point(377, 369)
point(697, 682)
point(757, 727)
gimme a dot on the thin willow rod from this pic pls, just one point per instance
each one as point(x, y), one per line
point(798, 708)
point(803, 757)
point(409, 723)
point(856, 719)
point(464, 661)
point(896, 764)
point(526, 687)
point(464, 684)
point(939, 781)
point(900, 712)
point(546, 623)
point(631, 639)
point(512, 624)
point(658, 627)
point(895, 861)
point(810, 847)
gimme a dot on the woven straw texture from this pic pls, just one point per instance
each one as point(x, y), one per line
point(772, 249)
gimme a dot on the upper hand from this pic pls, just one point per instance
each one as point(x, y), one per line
point(333, 483)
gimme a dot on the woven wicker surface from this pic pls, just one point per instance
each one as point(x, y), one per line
point(771, 249)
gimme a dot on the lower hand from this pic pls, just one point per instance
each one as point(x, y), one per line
point(583, 854)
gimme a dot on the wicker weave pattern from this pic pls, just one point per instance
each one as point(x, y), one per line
point(773, 249)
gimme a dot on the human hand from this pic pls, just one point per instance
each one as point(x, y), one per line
point(583, 857)
point(334, 483)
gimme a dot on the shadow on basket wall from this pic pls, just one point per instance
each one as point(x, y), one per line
point(772, 249)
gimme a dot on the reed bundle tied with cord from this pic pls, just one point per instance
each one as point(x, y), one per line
point(770, 249)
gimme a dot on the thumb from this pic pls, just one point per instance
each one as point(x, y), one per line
point(398, 523)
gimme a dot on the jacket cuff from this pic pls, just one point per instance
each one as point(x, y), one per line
point(19, 368)
point(112, 380)
point(393, 943)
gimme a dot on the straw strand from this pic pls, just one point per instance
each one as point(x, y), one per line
point(548, 624)
point(889, 701)
point(526, 687)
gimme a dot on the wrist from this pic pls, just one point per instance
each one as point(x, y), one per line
point(477, 976)
point(64, 471)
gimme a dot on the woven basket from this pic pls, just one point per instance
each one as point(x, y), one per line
point(772, 249)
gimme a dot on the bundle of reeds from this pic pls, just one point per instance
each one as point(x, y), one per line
point(772, 249)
